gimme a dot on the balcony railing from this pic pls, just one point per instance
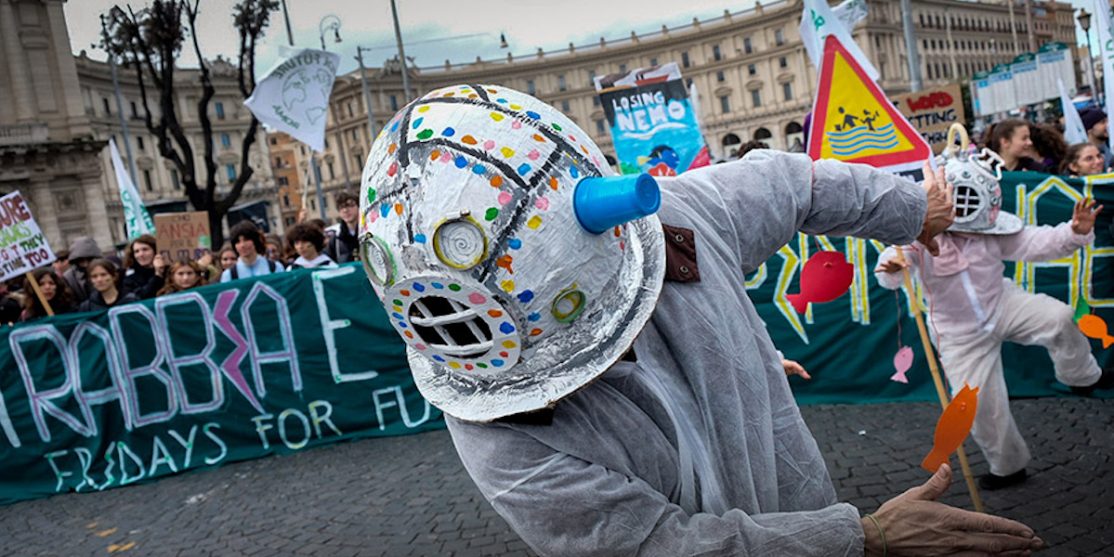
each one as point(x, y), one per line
point(22, 134)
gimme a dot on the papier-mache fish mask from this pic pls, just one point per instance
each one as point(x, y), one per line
point(510, 287)
point(977, 192)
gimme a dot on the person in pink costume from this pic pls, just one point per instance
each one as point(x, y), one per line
point(974, 308)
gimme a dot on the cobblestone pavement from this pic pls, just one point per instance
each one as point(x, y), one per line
point(410, 495)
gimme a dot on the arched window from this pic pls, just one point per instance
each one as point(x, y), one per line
point(762, 134)
point(795, 137)
point(730, 145)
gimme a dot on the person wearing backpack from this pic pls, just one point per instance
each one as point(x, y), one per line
point(249, 245)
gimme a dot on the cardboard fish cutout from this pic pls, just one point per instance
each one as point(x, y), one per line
point(953, 427)
point(1094, 327)
point(825, 277)
point(903, 360)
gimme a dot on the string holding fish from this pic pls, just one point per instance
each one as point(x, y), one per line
point(952, 428)
point(825, 277)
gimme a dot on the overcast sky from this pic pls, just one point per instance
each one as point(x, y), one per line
point(433, 30)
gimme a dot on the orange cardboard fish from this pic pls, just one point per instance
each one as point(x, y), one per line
point(825, 277)
point(1094, 327)
point(953, 427)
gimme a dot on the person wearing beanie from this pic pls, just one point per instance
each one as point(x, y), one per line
point(1095, 122)
point(83, 250)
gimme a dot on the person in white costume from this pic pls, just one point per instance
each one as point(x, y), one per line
point(974, 308)
point(607, 382)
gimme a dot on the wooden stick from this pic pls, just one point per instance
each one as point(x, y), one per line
point(39, 293)
point(930, 355)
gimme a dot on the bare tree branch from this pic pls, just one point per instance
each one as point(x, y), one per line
point(149, 42)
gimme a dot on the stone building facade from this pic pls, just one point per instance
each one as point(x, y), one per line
point(58, 110)
point(48, 150)
point(750, 70)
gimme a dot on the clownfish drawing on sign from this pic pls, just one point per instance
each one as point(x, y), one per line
point(663, 161)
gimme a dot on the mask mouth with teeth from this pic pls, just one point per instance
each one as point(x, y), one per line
point(977, 194)
point(511, 261)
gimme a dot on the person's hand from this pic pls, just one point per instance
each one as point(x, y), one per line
point(160, 264)
point(1083, 217)
point(206, 259)
point(915, 524)
point(891, 266)
point(941, 211)
point(793, 368)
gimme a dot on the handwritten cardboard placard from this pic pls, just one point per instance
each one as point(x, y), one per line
point(183, 235)
point(932, 112)
point(22, 244)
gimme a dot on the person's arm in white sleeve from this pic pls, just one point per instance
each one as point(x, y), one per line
point(562, 505)
point(1041, 243)
point(769, 196)
point(895, 280)
point(1044, 243)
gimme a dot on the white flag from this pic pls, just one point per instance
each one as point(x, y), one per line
point(137, 221)
point(818, 21)
point(294, 95)
point(850, 12)
point(1074, 132)
point(1105, 29)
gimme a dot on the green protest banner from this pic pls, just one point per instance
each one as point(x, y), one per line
point(295, 360)
point(200, 378)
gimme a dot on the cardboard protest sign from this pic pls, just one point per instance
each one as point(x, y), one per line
point(652, 121)
point(22, 245)
point(932, 112)
point(183, 235)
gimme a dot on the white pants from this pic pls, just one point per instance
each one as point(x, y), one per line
point(976, 360)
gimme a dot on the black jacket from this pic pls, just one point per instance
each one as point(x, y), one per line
point(343, 246)
point(142, 281)
point(96, 302)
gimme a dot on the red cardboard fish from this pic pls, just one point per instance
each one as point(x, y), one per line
point(826, 276)
point(953, 427)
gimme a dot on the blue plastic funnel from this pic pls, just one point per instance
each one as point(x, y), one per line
point(604, 202)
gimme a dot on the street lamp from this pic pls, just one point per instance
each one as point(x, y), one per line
point(329, 22)
point(1084, 19)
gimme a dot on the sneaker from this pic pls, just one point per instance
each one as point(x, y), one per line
point(1106, 381)
point(990, 482)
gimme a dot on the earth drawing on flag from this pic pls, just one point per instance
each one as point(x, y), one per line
point(306, 90)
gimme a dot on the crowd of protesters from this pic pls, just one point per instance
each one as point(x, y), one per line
point(1025, 146)
point(86, 278)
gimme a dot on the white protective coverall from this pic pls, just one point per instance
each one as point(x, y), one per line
point(973, 309)
point(698, 448)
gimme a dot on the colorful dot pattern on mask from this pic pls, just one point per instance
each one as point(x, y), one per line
point(512, 114)
point(505, 345)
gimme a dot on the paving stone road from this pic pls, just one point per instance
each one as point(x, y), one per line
point(410, 495)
